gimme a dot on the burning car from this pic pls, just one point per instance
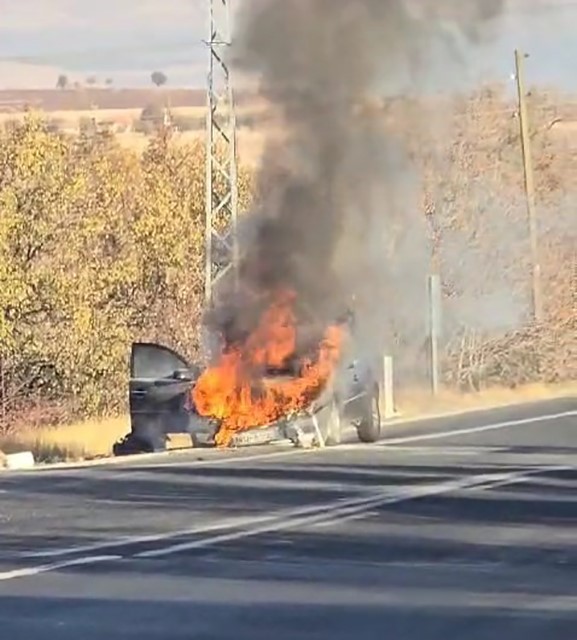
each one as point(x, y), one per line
point(258, 391)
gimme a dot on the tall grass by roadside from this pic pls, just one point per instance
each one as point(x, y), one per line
point(418, 402)
point(67, 443)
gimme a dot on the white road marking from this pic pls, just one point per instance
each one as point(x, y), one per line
point(329, 512)
point(432, 450)
point(472, 430)
point(335, 511)
point(46, 568)
point(229, 523)
point(239, 522)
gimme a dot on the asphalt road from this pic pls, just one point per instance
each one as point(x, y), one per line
point(460, 528)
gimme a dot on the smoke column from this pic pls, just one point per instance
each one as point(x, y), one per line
point(337, 217)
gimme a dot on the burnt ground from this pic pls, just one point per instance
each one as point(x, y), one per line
point(463, 527)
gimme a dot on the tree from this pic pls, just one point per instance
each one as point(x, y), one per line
point(99, 247)
point(158, 78)
point(91, 80)
point(109, 82)
point(62, 82)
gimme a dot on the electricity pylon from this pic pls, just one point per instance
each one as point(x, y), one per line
point(221, 246)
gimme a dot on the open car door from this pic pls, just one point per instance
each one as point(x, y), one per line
point(159, 394)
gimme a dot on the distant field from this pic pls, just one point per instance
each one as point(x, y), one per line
point(73, 117)
point(124, 114)
point(84, 98)
point(251, 139)
point(250, 143)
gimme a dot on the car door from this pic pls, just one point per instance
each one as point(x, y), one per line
point(159, 391)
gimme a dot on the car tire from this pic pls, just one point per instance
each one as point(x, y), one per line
point(330, 424)
point(131, 445)
point(369, 427)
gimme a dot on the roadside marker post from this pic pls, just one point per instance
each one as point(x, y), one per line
point(387, 386)
point(435, 329)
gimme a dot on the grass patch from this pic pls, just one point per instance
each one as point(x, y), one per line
point(68, 443)
point(417, 402)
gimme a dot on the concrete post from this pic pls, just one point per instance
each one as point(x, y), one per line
point(387, 387)
point(435, 329)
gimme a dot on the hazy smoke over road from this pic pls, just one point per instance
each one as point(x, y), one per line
point(338, 211)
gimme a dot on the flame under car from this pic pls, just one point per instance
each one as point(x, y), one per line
point(161, 392)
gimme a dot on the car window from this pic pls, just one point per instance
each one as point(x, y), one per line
point(154, 361)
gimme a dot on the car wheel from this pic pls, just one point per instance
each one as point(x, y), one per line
point(131, 445)
point(369, 426)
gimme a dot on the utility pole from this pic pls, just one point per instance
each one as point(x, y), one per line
point(529, 184)
point(221, 247)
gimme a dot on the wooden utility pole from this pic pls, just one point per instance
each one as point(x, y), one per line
point(529, 184)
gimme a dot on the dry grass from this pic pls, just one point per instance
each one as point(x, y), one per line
point(80, 441)
point(416, 402)
point(73, 117)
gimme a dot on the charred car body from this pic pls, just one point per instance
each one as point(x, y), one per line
point(161, 403)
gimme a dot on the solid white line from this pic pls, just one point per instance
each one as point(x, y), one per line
point(46, 568)
point(327, 513)
point(230, 523)
point(472, 430)
point(239, 522)
point(335, 511)
point(432, 450)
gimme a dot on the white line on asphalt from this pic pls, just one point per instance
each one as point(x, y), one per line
point(46, 568)
point(239, 522)
point(323, 513)
point(332, 512)
point(432, 450)
point(229, 523)
point(472, 430)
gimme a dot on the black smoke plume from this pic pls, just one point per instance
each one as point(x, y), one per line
point(336, 217)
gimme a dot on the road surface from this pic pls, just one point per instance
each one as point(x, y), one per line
point(457, 528)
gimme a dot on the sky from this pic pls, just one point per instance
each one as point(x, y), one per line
point(127, 39)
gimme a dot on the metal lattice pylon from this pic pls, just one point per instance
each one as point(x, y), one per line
point(221, 245)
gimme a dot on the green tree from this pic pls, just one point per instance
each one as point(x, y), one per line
point(62, 82)
point(158, 78)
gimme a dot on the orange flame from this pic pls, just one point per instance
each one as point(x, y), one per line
point(236, 392)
